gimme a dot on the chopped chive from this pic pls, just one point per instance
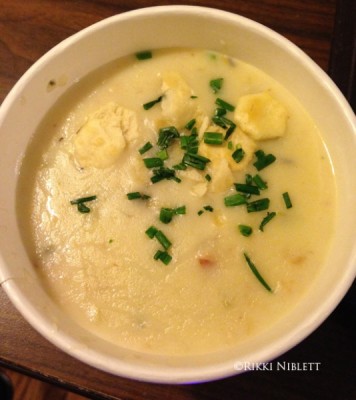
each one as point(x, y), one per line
point(248, 179)
point(194, 131)
point(147, 146)
point(216, 84)
point(164, 173)
point(82, 208)
point(208, 177)
point(166, 215)
point(259, 182)
point(238, 154)
point(224, 104)
point(230, 130)
point(263, 160)
point(189, 125)
point(266, 219)
point(200, 212)
point(153, 162)
point(184, 140)
point(195, 160)
point(180, 167)
point(230, 145)
point(180, 210)
point(287, 200)
point(213, 138)
point(256, 273)
point(137, 195)
point(163, 256)
point(166, 135)
point(224, 123)
point(190, 143)
point(234, 200)
point(193, 97)
point(245, 188)
point(220, 112)
point(162, 154)
point(161, 237)
point(258, 205)
point(245, 230)
point(208, 208)
point(83, 200)
point(144, 55)
point(152, 103)
point(151, 232)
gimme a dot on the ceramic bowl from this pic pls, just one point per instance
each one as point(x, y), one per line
point(162, 27)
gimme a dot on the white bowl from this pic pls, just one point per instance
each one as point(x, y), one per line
point(158, 27)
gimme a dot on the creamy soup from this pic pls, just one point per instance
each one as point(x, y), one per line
point(177, 202)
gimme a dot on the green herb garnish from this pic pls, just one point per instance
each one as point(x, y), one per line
point(259, 182)
point(235, 200)
point(151, 232)
point(245, 230)
point(180, 167)
point(190, 143)
point(256, 273)
point(189, 125)
point(263, 160)
point(166, 214)
point(82, 208)
point(164, 173)
point(219, 112)
point(162, 154)
point(144, 55)
point(152, 103)
point(258, 205)
point(137, 195)
point(245, 188)
point(287, 200)
point(238, 154)
point(180, 210)
point(147, 146)
point(162, 238)
point(266, 219)
point(224, 104)
point(208, 177)
point(215, 138)
point(195, 160)
point(153, 162)
point(216, 84)
point(163, 256)
point(166, 135)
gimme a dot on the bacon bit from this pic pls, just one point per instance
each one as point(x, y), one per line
point(206, 262)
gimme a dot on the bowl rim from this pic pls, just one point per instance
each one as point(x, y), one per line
point(186, 375)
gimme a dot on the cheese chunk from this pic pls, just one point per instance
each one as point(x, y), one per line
point(101, 140)
point(261, 116)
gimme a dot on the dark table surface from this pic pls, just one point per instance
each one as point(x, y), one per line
point(325, 30)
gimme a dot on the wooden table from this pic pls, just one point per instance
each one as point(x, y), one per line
point(324, 30)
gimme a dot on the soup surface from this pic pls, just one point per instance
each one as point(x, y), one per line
point(177, 202)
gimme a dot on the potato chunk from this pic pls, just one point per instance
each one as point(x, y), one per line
point(261, 116)
point(102, 138)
